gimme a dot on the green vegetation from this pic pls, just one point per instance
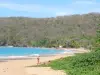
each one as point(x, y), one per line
point(97, 42)
point(24, 31)
point(81, 64)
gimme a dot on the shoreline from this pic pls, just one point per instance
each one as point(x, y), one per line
point(66, 51)
point(20, 67)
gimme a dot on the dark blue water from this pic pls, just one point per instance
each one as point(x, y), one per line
point(17, 51)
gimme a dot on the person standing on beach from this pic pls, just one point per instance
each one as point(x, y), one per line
point(38, 60)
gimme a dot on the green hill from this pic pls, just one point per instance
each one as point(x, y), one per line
point(22, 30)
point(80, 64)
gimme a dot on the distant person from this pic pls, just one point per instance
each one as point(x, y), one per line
point(38, 60)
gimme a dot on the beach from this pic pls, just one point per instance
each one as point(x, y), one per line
point(21, 67)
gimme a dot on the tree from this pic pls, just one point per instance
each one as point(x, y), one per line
point(97, 45)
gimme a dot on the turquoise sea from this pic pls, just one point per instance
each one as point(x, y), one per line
point(22, 51)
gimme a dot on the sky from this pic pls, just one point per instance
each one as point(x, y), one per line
point(47, 8)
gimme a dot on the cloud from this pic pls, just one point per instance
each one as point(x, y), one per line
point(27, 7)
point(37, 8)
point(84, 6)
point(19, 7)
point(79, 7)
point(85, 2)
point(74, 7)
point(63, 13)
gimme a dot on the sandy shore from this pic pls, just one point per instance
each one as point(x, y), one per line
point(19, 67)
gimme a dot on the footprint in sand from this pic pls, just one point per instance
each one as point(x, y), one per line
point(5, 70)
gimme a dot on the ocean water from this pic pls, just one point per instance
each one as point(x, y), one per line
point(21, 51)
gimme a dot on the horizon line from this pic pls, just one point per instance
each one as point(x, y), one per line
point(51, 16)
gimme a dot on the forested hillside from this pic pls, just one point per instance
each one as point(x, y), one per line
point(80, 64)
point(26, 31)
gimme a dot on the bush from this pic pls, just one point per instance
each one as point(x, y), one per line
point(74, 44)
point(81, 64)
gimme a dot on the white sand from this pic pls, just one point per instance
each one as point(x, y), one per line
point(19, 67)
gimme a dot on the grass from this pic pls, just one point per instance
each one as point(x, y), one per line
point(81, 64)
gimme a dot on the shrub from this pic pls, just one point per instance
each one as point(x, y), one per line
point(81, 64)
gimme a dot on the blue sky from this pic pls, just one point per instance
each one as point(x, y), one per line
point(47, 8)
